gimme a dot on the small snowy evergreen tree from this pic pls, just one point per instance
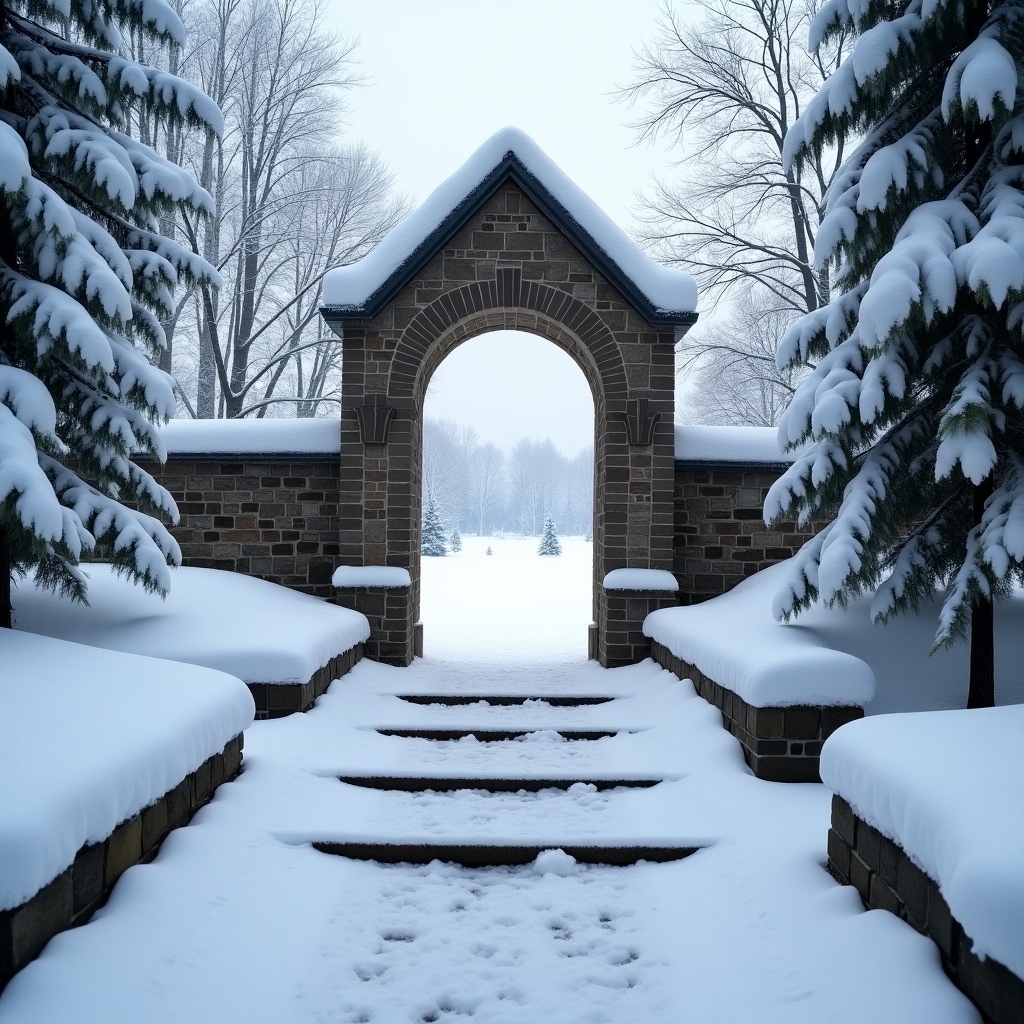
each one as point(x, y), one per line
point(549, 539)
point(455, 541)
point(912, 413)
point(85, 277)
point(488, 551)
point(433, 531)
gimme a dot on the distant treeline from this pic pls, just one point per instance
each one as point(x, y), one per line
point(486, 490)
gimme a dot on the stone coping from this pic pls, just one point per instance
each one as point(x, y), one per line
point(81, 889)
point(779, 744)
point(887, 879)
point(275, 700)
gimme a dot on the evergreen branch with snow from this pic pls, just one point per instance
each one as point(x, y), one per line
point(85, 279)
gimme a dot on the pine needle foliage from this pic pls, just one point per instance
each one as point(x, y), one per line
point(434, 542)
point(549, 544)
point(910, 425)
point(85, 277)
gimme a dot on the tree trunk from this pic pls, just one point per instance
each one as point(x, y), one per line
point(5, 581)
point(981, 692)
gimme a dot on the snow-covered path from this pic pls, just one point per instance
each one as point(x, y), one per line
point(241, 919)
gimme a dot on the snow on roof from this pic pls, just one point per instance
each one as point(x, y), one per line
point(776, 665)
point(89, 738)
point(353, 286)
point(258, 631)
point(701, 443)
point(252, 437)
point(948, 787)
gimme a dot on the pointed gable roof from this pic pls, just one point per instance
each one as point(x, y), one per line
point(359, 291)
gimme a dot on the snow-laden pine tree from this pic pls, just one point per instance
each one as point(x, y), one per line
point(549, 538)
point(455, 541)
point(910, 422)
point(85, 277)
point(434, 542)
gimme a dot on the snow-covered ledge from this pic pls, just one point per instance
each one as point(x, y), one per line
point(781, 692)
point(387, 576)
point(947, 787)
point(641, 579)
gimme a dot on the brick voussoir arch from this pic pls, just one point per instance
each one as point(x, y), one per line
point(509, 291)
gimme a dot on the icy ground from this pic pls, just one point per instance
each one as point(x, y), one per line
point(240, 919)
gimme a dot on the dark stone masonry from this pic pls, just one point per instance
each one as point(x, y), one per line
point(720, 536)
point(80, 890)
point(271, 516)
point(887, 879)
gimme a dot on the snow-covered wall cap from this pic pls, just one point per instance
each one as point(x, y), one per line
point(729, 444)
point(409, 244)
point(252, 437)
point(640, 579)
point(371, 576)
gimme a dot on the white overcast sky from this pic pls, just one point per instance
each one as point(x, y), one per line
point(443, 76)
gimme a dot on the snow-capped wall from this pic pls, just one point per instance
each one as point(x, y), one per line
point(252, 437)
point(775, 665)
point(947, 787)
point(110, 734)
point(703, 443)
point(694, 443)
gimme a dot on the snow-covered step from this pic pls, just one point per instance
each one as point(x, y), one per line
point(501, 854)
point(506, 699)
point(487, 734)
point(449, 783)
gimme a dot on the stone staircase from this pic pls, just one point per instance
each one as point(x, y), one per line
point(466, 716)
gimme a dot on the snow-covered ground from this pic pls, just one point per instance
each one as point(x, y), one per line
point(240, 919)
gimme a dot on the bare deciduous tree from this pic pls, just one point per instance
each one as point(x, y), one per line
point(486, 483)
point(735, 379)
point(725, 91)
point(289, 206)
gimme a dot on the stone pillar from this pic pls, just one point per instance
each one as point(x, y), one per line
point(393, 634)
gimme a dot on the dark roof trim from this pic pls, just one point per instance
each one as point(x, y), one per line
point(511, 167)
point(733, 467)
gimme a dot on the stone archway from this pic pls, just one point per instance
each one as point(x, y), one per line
point(517, 249)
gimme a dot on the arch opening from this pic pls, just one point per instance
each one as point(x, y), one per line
point(508, 437)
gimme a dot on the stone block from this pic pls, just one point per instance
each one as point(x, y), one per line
point(87, 879)
point(838, 855)
point(996, 991)
point(913, 886)
point(860, 876)
point(154, 825)
point(124, 848)
point(25, 930)
point(881, 897)
point(844, 820)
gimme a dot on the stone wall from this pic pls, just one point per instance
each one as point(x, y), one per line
point(279, 517)
point(887, 879)
point(720, 536)
point(779, 744)
point(271, 516)
point(76, 893)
